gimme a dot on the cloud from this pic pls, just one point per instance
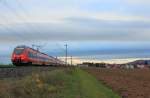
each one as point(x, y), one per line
point(139, 2)
point(77, 28)
point(34, 11)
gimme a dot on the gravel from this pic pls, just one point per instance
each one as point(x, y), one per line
point(17, 72)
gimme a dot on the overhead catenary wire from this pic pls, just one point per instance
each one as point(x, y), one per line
point(27, 14)
point(60, 53)
point(20, 17)
point(19, 35)
point(11, 30)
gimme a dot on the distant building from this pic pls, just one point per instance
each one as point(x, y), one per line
point(82, 65)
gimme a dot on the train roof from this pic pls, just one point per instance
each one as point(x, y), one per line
point(21, 46)
point(24, 46)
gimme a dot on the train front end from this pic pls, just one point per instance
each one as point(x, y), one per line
point(19, 56)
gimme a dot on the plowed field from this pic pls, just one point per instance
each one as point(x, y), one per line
point(128, 83)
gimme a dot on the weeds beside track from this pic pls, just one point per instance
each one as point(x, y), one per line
point(17, 72)
point(68, 82)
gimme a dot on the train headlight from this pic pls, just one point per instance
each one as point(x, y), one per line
point(23, 57)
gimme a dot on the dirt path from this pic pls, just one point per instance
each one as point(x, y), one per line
point(128, 83)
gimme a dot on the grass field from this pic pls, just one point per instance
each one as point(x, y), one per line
point(61, 83)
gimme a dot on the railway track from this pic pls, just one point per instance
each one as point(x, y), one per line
point(18, 72)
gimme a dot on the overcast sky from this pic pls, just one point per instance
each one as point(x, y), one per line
point(92, 28)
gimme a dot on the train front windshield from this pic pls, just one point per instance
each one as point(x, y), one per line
point(18, 51)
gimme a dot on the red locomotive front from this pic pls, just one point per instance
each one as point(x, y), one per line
point(19, 55)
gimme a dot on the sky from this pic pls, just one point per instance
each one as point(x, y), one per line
point(93, 29)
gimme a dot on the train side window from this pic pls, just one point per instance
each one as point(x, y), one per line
point(34, 55)
point(30, 54)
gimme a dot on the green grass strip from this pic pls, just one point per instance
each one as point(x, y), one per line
point(89, 87)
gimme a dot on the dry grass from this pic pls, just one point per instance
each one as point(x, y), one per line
point(62, 83)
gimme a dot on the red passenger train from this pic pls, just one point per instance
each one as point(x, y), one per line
point(24, 55)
